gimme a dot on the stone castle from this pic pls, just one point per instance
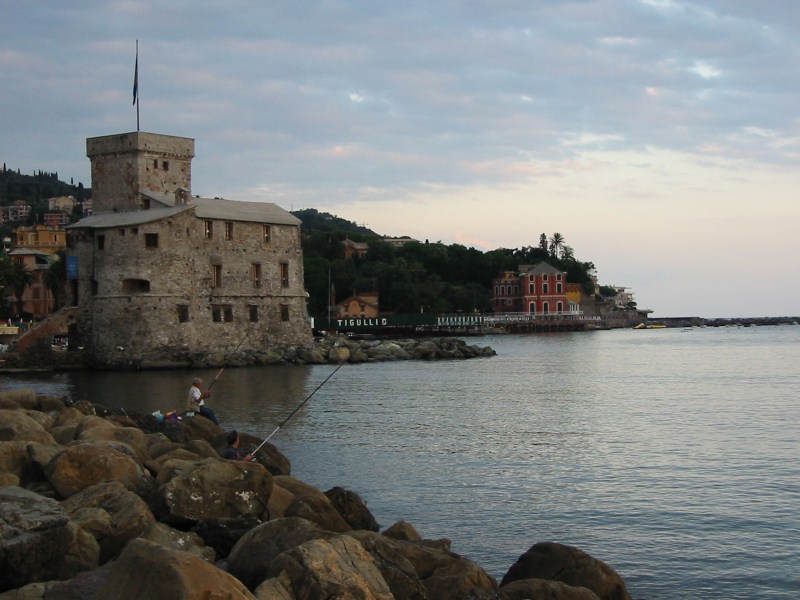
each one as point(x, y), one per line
point(162, 277)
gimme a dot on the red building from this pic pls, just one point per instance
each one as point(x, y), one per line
point(537, 290)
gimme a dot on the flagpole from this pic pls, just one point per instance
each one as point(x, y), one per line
point(136, 85)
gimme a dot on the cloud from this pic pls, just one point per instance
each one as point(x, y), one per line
point(457, 121)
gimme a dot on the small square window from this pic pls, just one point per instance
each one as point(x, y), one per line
point(183, 313)
point(151, 240)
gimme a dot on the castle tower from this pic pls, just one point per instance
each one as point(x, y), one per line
point(128, 164)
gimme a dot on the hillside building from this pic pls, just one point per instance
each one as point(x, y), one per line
point(160, 276)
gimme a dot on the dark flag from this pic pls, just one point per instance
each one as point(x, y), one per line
point(136, 75)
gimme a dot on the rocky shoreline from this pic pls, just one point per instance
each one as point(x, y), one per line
point(330, 349)
point(98, 505)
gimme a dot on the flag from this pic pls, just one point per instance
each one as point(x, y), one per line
point(136, 75)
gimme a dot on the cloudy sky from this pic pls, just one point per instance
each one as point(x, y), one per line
point(659, 137)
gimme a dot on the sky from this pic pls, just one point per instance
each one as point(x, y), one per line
point(660, 138)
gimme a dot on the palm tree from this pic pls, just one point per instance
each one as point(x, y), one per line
point(555, 244)
point(55, 278)
point(17, 278)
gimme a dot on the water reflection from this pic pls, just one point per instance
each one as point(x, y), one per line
point(255, 399)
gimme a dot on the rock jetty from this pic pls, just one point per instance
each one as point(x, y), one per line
point(329, 349)
point(104, 506)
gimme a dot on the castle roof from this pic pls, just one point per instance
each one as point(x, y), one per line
point(204, 208)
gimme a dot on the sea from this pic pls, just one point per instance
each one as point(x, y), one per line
point(673, 455)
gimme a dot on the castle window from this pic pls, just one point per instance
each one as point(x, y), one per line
point(101, 242)
point(216, 276)
point(155, 163)
point(267, 234)
point(165, 165)
point(285, 275)
point(221, 312)
point(151, 240)
point(255, 274)
point(208, 229)
point(253, 313)
point(134, 231)
point(284, 312)
point(135, 286)
point(122, 231)
point(183, 313)
point(95, 287)
point(228, 230)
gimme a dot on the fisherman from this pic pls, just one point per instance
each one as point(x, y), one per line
point(196, 400)
point(231, 451)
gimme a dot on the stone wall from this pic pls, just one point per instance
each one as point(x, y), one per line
point(128, 164)
point(152, 304)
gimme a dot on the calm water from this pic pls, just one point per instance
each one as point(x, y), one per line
point(671, 455)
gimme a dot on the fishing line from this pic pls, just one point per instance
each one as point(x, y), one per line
point(299, 406)
point(227, 360)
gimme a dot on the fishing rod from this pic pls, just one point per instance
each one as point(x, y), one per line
point(299, 406)
point(225, 364)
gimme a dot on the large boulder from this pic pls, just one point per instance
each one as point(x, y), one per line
point(339, 567)
point(112, 514)
point(191, 491)
point(251, 556)
point(185, 541)
point(132, 436)
point(352, 509)
point(15, 425)
point(18, 398)
point(197, 427)
point(398, 572)
point(543, 589)
point(34, 537)
point(444, 574)
point(267, 455)
point(83, 465)
point(559, 562)
point(148, 570)
point(310, 503)
point(14, 458)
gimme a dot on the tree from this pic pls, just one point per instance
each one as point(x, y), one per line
point(555, 244)
point(55, 278)
point(543, 242)
point(17, 279)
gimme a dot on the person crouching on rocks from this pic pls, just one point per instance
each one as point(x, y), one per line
point(232, 451)
point(196, 401)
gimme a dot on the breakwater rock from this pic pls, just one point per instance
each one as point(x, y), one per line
point(331, 349)
point(103, 506)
